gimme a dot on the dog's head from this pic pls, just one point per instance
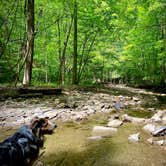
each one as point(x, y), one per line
point(42, 126)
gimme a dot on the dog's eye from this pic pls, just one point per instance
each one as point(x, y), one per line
point(45, 124)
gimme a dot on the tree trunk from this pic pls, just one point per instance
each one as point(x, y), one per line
point(85, 61)
point(62, 58)
point(30, 43)
point(163, 65)
point(59, 52)
point(74, 80)
point(46, 72)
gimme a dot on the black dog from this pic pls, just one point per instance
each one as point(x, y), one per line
point(22, 148)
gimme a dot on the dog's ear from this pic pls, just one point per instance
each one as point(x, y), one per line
point(34, 120)
point(37, 122)
point(34, 124)
point(43, 122)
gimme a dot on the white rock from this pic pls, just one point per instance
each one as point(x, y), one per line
point(163, 120)
point(103, 131)
point(136, 99)
point(150, 128)
point(150, 140)
point(127, 118)
point(114, 123)
point(134, 137)
point(157, 117)
point(160, 142)
point(95, 138)
point(151, 109)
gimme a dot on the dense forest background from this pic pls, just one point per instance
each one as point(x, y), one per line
point(83, 42)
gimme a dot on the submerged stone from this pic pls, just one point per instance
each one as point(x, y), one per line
point(134, 138)
point(95, 138)
point(127, 118)
point(114, 123)
point(149, 128)
point(103, 131)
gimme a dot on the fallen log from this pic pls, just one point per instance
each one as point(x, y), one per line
point(44, 91)
point(27, 92)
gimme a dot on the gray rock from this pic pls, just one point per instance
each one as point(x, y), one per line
point(160, 131)
point(118, 105)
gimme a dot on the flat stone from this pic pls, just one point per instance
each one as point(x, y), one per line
point(160, 142)
point(150, 140)
point(150, 128)
point(163, 120)
point(134, 138)
point(127, 118)
point(103, 131)
point(151, 109)
point(114, 123)
point(95, 138)
point(136, 99)
point(157, 117)
point(159, 131)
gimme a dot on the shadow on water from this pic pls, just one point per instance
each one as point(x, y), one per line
point(94, 154)
point(69, 147)
point(139, 113)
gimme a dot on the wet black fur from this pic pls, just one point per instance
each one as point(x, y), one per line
point(20, 148)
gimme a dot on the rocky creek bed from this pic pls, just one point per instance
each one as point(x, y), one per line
point(83, 113)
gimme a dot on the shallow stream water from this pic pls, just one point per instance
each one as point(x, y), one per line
point(69, 145)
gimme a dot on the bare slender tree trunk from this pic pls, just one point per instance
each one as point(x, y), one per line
point(85, 61)
point(46, 72)
point(59, 52)
point(62, 58)
point(30, 43)
point(163, 65)
point(74, 80)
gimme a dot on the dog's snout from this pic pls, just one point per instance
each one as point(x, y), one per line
point(52, 125)
point(55, 126)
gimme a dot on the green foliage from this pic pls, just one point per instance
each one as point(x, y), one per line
point(123, 39)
